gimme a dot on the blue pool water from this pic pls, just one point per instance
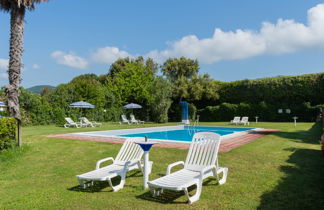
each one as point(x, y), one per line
point(186, 133)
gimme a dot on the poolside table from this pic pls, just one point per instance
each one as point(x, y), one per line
point(146, 146)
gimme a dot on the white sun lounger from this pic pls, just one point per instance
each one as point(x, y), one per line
point(245, 121)
point(128, 158)
point(133, 120)
point(201, 162)
point(86, 122)
point(71, 123)
point(124, 119)
point(236, 120)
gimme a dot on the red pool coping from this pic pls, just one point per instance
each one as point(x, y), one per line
point(227, 144)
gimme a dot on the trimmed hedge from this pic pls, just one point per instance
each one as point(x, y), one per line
point(7, 132)
point(303, 95)
point(265, 112)
point(281, 90)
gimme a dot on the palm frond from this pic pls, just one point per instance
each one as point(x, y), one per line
point(8, 5)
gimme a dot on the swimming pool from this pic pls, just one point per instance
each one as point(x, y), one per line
point(171, 133)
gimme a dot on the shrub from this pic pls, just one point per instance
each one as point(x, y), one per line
point(160, 103)
point(209, 114)
point(7, 132)
point(192, 112)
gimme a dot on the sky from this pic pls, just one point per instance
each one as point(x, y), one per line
point(231, 39)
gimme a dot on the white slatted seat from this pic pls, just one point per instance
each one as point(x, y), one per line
point(71, 123)
point(87, 122)
point(236, 120)
point(201, 163)
point(128, 158)
point(133, 120)
point(124, 119)
point(245, 121)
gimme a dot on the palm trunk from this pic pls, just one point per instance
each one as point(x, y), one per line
point(15, 53)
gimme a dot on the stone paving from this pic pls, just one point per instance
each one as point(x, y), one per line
point(227, 144)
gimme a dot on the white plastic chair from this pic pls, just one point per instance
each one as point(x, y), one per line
point(245, 121)
point(71, 123)
point(86, 122)
point(128, 158)
point(201, 162)
point(124, 119)
point(236, 120)
point(133, 120)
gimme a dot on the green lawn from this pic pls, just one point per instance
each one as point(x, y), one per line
point(284, 170)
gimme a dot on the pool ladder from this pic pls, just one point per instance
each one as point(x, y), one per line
point(192, 128)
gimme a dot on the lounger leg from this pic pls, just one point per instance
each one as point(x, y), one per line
point(196, 196)
point(152, 190)
point(156, 192)
point(223, 179)
point(85, 185)
point(82, 184)
point(119, 186)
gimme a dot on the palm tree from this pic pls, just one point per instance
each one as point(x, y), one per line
point(17, 9)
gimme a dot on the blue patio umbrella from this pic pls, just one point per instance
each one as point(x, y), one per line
point(132, 106)
point(81, 104)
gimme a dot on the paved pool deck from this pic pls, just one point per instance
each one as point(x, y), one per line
point(227, 144)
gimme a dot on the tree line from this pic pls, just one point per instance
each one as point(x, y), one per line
point(160, 88)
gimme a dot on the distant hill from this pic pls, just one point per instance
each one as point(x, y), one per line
point(38, 88)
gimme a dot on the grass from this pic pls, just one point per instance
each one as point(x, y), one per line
point(284, 170)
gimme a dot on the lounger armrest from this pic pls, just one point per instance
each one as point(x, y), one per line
point(204, 170)
point(103, 160)
point(172, 165)
point(129, 163)
point(132, 162)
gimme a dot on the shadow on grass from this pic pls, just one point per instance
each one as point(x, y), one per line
point(302, 187)
point(99, 186)
point(310, 136)
point(96, 188)
point(171, 197)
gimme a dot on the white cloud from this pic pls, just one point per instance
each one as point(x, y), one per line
point(109, 54)
point(4, 63)
point(285, 36)
point(69, 59)
point(36, 66)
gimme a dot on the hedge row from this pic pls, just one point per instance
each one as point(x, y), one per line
point(265, 112)
point(7, 132)
point(281, 90)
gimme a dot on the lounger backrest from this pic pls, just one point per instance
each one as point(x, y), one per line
point(203, 151)
point(245, 119)
point(69, 120)
point(236, 119)
point(129, 151)
point(132, 117)
point(85, 120)
point(124, 118)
